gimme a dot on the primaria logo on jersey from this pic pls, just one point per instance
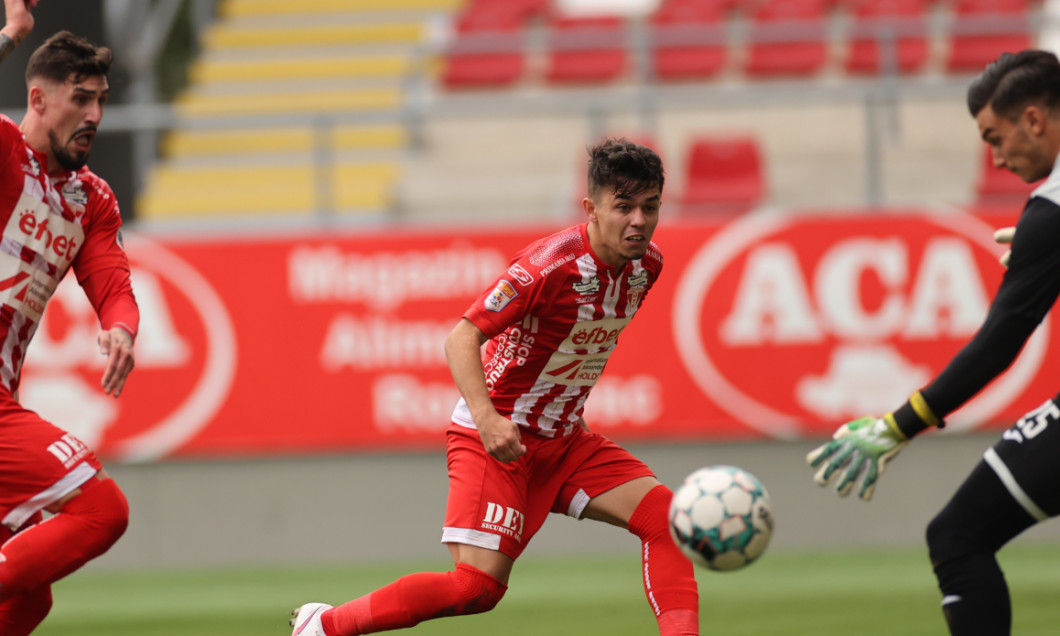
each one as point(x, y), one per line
point(849, 316)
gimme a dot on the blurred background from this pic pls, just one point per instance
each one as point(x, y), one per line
point(315, 190)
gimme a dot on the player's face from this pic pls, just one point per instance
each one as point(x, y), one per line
point(621, 225)
point(72, 114)
point(1017, 146)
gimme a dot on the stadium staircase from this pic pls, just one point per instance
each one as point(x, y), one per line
point(294, 108)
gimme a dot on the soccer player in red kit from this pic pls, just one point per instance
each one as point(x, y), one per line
point(518, 447)
point(55, 214)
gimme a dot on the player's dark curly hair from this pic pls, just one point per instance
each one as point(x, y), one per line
point(1014, 81)
point(65, 54)
point(623, 167)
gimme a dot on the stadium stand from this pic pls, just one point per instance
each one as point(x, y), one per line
point(678, 29)
point(269, 126)
point(876, 24)
point(983, 28)
point(724, 175)
point(591, 49)
point(775, 51)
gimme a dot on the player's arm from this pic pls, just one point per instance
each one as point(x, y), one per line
point(862, 448)
point(500, 436)
point(110, 293)
point(18, 23)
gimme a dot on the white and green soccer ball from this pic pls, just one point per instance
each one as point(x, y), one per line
point(721, 517)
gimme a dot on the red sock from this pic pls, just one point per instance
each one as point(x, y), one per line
point(84, 529)
point(21, 614)
point(416, 598)
point(669, 580)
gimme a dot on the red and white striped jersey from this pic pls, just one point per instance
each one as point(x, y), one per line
point(553, 320)
point(50, 224)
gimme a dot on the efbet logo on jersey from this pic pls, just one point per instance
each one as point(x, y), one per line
point(501, 295)
point(504, 519)
point(849, 316)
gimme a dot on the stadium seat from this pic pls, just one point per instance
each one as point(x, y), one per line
point(904, 20)
point(589, 49)
point(997, 187)
point(787, 37)
point(488, 50)
point(724, 175)
point(688, 39)
point(983, 29)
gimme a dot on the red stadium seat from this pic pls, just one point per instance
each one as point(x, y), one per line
point(488, 50)
point(688, 40)
point(904, 20)
point(590, 49)
point(997, 187)
point(723, 175)
point(984, 29)
point(788, 37)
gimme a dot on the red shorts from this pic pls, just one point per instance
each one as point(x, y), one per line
point(39, 464)
point(501, 506)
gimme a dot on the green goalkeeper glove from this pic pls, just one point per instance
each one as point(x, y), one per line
point(860, 448)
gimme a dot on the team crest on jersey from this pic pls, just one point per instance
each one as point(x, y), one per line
point(501, 295)
point(31, 168)
point(588, 286)
point(521, 276)
point(75, 195)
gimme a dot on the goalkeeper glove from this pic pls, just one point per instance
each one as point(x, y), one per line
point(860, 448)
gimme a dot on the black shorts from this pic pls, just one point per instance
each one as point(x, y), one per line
point(1027, 459)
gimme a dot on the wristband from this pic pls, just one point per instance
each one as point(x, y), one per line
point(915, 416)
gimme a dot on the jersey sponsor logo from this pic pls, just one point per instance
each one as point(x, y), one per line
point(638, 280)
point(521, 276)
point(50, 235)
point(575, 370)
point(501, 295)
point(69, 450)
point(548, 269)
point(504, 519)
point(590, 285)
point(850, 317)
point(29, 290)
point(594, 335)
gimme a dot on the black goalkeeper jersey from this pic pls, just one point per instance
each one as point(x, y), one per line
point(1027, 292)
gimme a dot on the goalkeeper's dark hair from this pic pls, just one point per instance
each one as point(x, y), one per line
point(623, 167)
point(65, 54)
point(1014, 81)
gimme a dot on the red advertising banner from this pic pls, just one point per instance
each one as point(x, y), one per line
point(769, 326)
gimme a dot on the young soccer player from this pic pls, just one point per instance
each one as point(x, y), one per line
point(518, 447)
point(1016, 104)
point(56, 215)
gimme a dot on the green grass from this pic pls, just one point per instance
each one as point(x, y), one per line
point(862, 593)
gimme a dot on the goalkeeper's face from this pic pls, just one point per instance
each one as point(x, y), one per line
point(1024, 145)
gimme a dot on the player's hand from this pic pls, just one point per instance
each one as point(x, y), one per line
point(117, 345)
point(18, 21)
point(1004, 236)
point(859, 449)
point(501, 439)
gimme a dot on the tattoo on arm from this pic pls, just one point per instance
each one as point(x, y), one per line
point(7, 45)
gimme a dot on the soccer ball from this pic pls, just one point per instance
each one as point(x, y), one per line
point(721, 517)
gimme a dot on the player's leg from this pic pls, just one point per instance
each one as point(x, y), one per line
point(619, 489)
point(482, 556)
point(44, 468)
point(20, 615)
point(86, 524)
point(1013, 488)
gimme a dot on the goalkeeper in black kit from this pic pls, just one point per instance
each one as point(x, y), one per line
point(1016, 104)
